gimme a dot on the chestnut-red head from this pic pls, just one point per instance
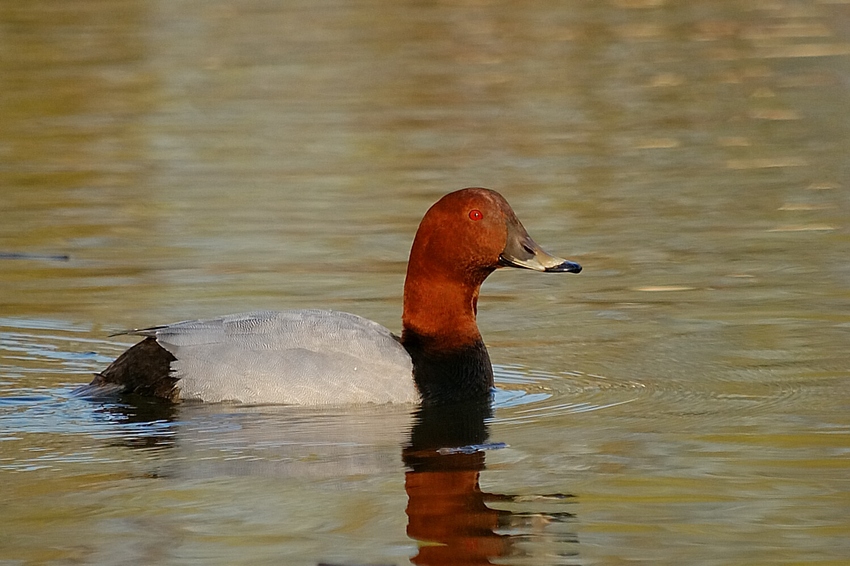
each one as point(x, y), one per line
point(463, 238)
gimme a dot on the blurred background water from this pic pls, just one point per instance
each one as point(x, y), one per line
point(684, 400)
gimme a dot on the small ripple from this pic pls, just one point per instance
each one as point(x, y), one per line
point(739, 391)
point(58, 411)
point(41, 324)
point(531, 395)
point(23, 401)
point(534, 394)
point(34, 352)
point(472, 448)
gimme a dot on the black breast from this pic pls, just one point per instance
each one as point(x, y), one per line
point(450, 376)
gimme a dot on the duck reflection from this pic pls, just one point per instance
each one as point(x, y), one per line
point(443, 449)
point(447, 510)
point(144, 422)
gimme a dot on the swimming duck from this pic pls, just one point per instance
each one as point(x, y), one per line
point(321, 357)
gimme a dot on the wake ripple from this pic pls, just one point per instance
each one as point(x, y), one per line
point(525, 394)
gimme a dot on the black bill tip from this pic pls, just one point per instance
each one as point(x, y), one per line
point(565, 267)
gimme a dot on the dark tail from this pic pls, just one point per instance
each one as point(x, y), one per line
point(144, 369)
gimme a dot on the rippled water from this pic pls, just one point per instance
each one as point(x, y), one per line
point(684, 400)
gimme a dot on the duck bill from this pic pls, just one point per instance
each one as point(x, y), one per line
point(523, 252)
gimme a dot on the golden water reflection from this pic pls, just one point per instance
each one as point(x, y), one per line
point(190, 159)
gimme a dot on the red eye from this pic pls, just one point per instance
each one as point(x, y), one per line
point(475, 214)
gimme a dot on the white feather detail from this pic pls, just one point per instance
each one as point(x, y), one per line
point(303, 357)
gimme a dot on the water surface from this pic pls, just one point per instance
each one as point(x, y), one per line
point(684, 400)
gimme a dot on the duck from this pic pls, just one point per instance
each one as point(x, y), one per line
point(325, 357)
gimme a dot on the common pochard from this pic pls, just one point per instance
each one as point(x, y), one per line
point(315, 357)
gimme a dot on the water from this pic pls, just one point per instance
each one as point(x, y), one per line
point(683, 400)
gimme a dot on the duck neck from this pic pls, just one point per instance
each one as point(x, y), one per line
point(450, 361)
